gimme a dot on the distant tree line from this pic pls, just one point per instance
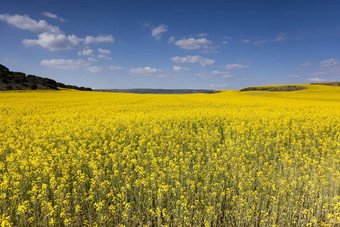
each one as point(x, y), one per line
point(332, 83)
point(278, 88)
point(20, 81)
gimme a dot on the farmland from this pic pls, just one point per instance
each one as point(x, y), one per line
point(252, 158)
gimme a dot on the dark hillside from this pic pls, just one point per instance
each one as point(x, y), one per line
point(20, 81)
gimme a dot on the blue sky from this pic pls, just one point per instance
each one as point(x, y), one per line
point(216, 44)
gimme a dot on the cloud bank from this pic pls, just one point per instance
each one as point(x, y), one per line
point(51, 37)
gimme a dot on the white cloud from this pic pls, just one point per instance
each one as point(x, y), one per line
point(26, 23)
point(85, 52)
point(214, 73)
point(260, 42)
point(157, 31)
point(202, 35)
point(50, 37)
point(221, 74)
point(147, 71)
point(64, 63)
point(71, 64)
point(50, 15)
point(328, 62)
point(163, 75)
point(103, 51)
point(171, 39)
point(102, 56)
point(177, 68)
point(280, 37)
point(53, 16)
point(99, 39)
point(316, 80)
point(54, 42)
point(236, 66)
point(94, 69)
point(225, 39)
point(193, 59)
point(147, 25)
point(92, 59)
point(306, 64)
point(194, 44)
point(115, 67)
point(245, 41)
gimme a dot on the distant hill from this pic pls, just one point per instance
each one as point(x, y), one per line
point(287, 87)
point(335, 83)
point(20, 81)
point(276, 88)
point(158, 91)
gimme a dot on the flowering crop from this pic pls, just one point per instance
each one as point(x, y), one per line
point(234, 158)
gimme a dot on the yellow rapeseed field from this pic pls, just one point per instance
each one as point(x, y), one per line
point(234, 158)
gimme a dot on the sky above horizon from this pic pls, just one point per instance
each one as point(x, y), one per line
point(215, 44)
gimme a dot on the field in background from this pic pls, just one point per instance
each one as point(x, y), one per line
point(232, 158)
